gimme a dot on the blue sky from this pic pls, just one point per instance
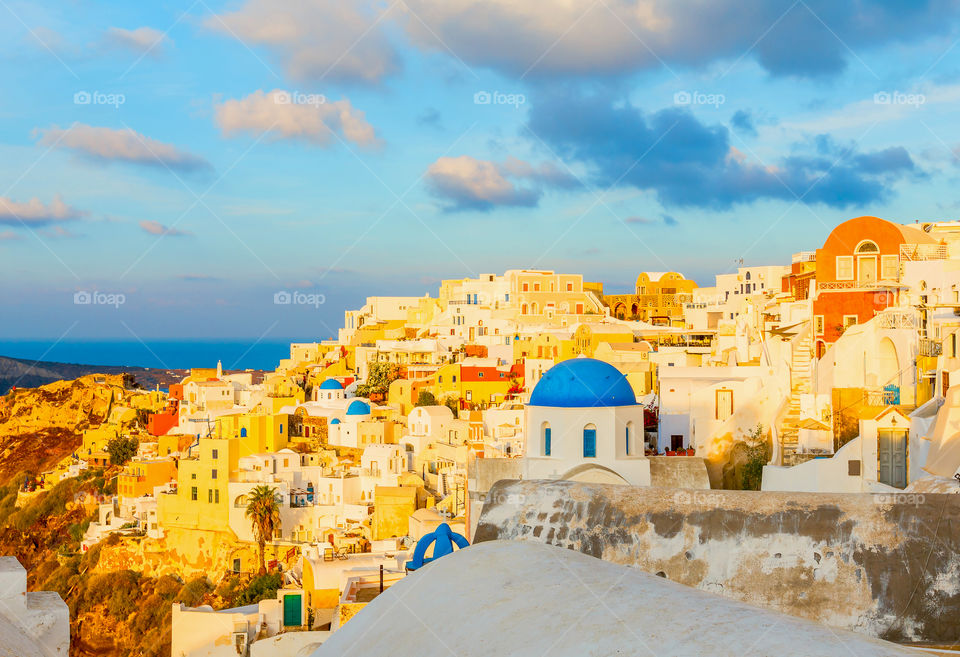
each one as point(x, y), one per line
point(197, 158)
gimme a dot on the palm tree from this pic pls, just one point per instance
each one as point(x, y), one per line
point(263, 509)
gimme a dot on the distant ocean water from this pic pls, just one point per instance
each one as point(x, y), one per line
point(235, 354)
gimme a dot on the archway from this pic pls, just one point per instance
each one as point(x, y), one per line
point(888, 366)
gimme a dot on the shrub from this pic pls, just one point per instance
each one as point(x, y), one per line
point(260, 588)
point(121, 449)
point(193, 591)
point(757, 455)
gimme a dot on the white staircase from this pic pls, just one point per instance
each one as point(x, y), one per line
point(800, 384)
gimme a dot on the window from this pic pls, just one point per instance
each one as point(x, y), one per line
point(216, 496)
point(589, 441)
point(953, 345)
point(627, 436)
point(569, 287)
point(480, 374)
point(536, 287)
point(866, 246)
point(526, 287)
point(849, 320)
point(213, 474)
point(469, 395)
point(818, 324)
point(844, 268)
point(890, 267)
point(243, 434)
point(214, 453)
point(546, 438)
point(210, 495)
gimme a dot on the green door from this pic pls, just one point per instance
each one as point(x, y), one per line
point(292, 610)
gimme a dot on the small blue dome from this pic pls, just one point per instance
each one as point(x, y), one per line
point(331, 384)
point(583, 383)
point(358, 407)
point(335, 420)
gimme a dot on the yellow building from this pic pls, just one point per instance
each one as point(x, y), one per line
point(588, 337)
point(95, 439)
point(392, 508)
point(256, 433)
point(201, 500)
point(658, 298)
point(544, 345)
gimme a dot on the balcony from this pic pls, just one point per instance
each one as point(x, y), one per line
point(920, 252)
point(929, 347)
point(897, 319)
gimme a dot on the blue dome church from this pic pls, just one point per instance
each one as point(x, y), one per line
point(584, 424)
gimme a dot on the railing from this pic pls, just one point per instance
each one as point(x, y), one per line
point(914, 252)
point(930, 347)
point(804, 256)
point(897, 319)
point(886, 396)
point(855, 285)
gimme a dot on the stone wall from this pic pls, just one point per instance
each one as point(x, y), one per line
point(883, 565)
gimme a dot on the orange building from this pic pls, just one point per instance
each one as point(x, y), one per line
point(858, 272)
point(140, 477)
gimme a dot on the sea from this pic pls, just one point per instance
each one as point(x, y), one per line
point(235, 354)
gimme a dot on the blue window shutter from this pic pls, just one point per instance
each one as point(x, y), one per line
point(589, 443)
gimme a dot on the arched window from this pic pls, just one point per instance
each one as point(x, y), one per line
point(867, 246)
point(628, 437)
point(590, 441)
point(243, 432)
point(748, 276)
point(545, 437)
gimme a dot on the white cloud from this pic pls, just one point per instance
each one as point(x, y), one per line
point(315, 39)
point(143, 40)
point(156, 228)
point(280, 112)
point(35, 212)
point(467, 183)
point(122, 145)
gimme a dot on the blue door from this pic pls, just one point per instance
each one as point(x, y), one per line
point(589, 443)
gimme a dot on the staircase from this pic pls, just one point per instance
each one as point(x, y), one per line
point(789, 429)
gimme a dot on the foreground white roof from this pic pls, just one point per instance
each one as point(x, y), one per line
point(520, 598)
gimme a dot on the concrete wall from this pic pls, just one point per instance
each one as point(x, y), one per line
point(882, 565)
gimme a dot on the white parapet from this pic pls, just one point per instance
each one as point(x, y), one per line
point(34, 623)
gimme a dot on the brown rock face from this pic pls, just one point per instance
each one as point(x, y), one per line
point(40, 426)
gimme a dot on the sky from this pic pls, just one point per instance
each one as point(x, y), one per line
point(252, 169)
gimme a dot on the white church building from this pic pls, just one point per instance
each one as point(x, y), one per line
point(584, 424)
